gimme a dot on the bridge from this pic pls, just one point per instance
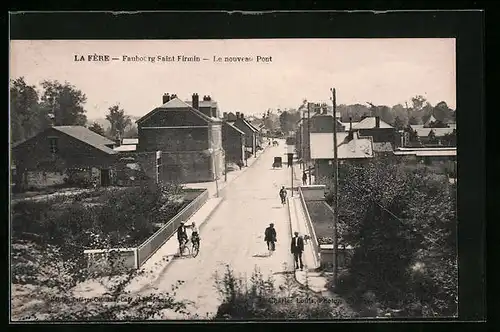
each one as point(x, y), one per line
point(232, 233)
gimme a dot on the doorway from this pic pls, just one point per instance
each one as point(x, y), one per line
point(105, 178)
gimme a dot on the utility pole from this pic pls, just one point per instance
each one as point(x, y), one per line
point(225, 166)
point(292, 176)
point(336, 188)
point(308, 137)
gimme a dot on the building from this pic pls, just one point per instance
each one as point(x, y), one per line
point(127, 145)
point(351, 147)
point(180, 142)
point(251, 133)
point(233, 142)
point(72, 155)
point(423, 135)
point(444, 159)
point(379, 130)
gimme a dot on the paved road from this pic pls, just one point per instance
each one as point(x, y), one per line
point(235, 235)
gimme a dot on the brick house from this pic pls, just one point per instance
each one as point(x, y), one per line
point(64, 154)
point(188, 138)
point(233, 142)
point(379, 130)
point(250, 131)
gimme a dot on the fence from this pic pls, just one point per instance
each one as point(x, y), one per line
point(151, 245)
point(133, 258)
point(121, 258)
point(314, 239)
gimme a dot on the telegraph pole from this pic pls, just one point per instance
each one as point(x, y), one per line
point(336, 188)
point(309, 142)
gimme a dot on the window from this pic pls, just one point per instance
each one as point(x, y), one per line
point(53, 144)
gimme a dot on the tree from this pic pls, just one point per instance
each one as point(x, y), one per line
point(418, 102)
point(26, 117)
point(118, 120)
point(131, 132)
point(65, 102)
point(402, 221)
point(398, 123)
point(97, 128)
point(442, 112)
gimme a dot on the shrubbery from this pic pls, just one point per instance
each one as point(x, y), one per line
point(259, 298)
point(403, 224)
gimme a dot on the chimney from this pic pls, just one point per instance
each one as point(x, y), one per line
point(325, 110)
point(242, 116)
point(209, 98)
point(195, 101)
point(224, 115)
point(237, 115)
point(172, 96)
point(377, 122)
point(166, 98)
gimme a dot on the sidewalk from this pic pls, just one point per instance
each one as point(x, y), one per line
point(155, 265)
point(309, 277)
point(158, 262)
point(231, 176)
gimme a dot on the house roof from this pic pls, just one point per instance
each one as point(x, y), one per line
point(252, 128)
point(129, 147)
point(251, 125)
point(87, 136)
point(231, 124)
point(357, 148)
point(176, 103)
point(328, 113)
point(203, 103)
point(439, 132)
point(370, 123)
point(427, 152)
point(127, 141)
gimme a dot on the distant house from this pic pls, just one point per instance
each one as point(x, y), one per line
point(249, 130)
point(64, 154)
point(127, 145)
point(185, 139)
point(233, 142)
point(434, 132)
point(379, 130)
point(351, 148)
point(443, 157)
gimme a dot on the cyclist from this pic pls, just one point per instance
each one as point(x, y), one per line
point(181, 235)
point(195, 234)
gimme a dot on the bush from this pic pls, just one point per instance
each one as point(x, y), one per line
point(399, 217)
point(259, 298)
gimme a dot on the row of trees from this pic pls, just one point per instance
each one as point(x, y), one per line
point(417, 112)
point(61, 104)
point(402, 221)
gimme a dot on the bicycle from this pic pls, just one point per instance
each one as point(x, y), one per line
point(192, 250)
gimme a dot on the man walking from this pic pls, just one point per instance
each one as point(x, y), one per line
point(297, 248)
point(283, 195)
point(270, 237)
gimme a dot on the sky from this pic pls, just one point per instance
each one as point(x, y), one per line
point(380, 71)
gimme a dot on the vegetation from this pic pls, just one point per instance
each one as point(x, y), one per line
point(126, 219)
point(402, 222)
point(49, 273)
point(118, 120)
point(259, 298)
point(62, 104)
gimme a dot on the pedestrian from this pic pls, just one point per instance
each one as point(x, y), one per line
point(182, 237)
point(304, 178)
point(270, 237)
point(297, 248)
point(283, 195)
